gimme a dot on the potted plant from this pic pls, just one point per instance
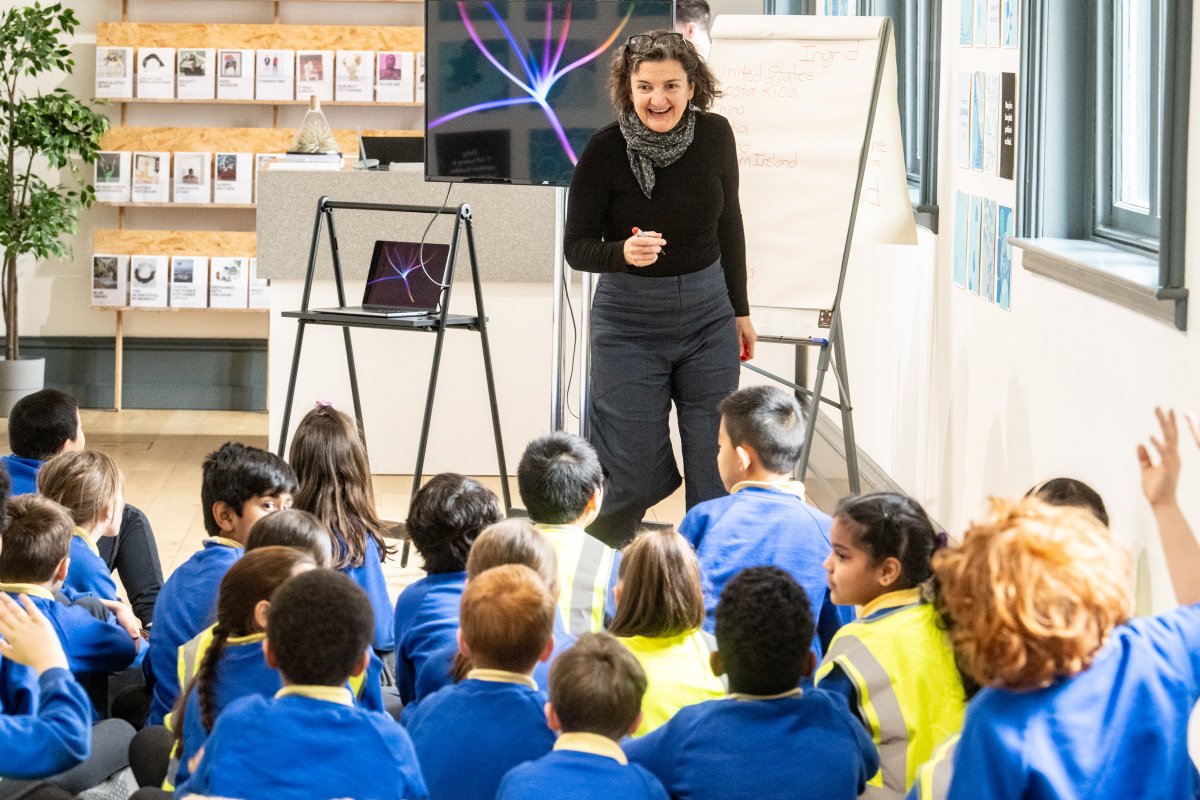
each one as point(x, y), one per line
point(42, 134)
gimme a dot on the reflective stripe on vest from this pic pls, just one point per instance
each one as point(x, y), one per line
point(588, 588)
point(909, 715)
point(880, 709)
point(933, 782)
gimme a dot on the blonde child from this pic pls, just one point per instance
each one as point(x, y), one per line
point(1080, 701)
point(894, 664)
point(90, 487)
point(660, 610)
point(334, 484)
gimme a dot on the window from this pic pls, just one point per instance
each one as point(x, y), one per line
point(917, 30)
point(1106, 111)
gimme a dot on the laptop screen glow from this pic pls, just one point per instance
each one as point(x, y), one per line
point(397, 279)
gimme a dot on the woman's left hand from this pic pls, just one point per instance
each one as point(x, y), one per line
point(746, 336)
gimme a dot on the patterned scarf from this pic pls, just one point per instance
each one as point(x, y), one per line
point(648, 149)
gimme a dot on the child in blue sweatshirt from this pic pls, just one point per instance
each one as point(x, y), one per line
point(769, 738)
point(233, 665)
point(35, 560)
point(446, 517)
point(510, 541)
point(334, 476)
point(240, 485)
point(596, 690)
point(310, 740)
point(1079, 700)
point(763, 521)
point(88, 484)
point(468, 735)
point(55, 734)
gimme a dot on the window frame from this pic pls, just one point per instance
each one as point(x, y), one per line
point(1066, 237)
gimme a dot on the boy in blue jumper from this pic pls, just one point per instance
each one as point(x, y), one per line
point(310, 740)
point(34, 559)
point(1079, 700)
point(240, 485)
point(469, 734)
point(562, 486)
point(446, 516)
point(768, 738)
point(763, 521)
point(596, 690)
point(46, 423)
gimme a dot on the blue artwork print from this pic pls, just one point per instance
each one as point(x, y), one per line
point(960, 240)
point(978, 110)
point(1008, 23)
point(981, 15)
point(1004, 228)
point(973, 244)
point(966, 23)
point(987, 245)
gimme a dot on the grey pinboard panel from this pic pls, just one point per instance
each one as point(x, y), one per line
point(514, 225)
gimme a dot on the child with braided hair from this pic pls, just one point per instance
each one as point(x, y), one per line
point(233, 665)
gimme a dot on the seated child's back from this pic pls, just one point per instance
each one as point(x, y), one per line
point(310, 740)
point(1079, 701)
point(659, 613)
point(334, 476)
point(447, 515)
point(764, 520)
point(467, 736)
point(233, 665)
point(240, 485)
point(596, 692)
point(769, 739)
point(561, 483)
point(34, 560)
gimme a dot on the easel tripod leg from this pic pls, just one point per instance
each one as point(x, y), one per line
point(291, 390)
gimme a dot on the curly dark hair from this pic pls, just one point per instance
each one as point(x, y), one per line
point(446, 516)
point(764, 631)
point(666, 46)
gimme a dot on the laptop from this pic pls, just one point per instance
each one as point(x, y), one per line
point(394, 149)
point(406, 280)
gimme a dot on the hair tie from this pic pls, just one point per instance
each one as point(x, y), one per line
point(324, 404)
point(942, 539)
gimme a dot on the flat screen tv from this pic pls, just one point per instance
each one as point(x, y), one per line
point(515, 88)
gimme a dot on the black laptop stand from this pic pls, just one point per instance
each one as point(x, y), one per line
point(437, 324)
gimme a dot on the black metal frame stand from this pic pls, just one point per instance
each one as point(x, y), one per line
point(434, 323)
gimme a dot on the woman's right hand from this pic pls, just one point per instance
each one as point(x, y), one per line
point(642, 250)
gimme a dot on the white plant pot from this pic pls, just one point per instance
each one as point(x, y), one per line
point(19, 378)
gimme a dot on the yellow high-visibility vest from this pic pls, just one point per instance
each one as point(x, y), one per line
point(910, 694)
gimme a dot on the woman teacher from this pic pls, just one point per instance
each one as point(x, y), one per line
point(654, 207)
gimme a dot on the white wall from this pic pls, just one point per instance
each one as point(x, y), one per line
point(960, 400)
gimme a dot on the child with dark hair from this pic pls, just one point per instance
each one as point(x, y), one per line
point(562, 486)
point(467, 736)
point(659, 613)
point(764, 520)
point(291, 527)
point(47, 423)
point(310, 740)
point(330, 459)
point(769, 738)
point(596, 691)
point(1071, 492)
point(240, 485)
point(228, 663)
point(446, 516)
point(1079, 699)
point(509, 541)
point(894, 665)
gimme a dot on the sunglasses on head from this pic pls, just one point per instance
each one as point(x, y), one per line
point(643, 42)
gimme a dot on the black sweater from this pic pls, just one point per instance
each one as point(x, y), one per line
point(694, 205)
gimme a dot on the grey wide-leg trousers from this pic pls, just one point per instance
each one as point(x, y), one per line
point(657, 341)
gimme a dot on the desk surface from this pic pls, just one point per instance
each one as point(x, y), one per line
point(425, 323)
point(514, 225)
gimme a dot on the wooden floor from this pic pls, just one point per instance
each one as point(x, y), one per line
point(160, 453)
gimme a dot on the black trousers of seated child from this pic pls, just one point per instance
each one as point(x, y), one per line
point(110, 755)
